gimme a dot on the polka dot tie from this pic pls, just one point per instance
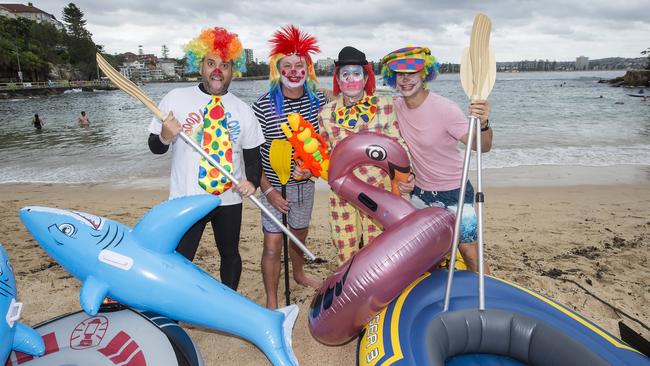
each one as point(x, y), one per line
point(216, 142)
point(351, 116)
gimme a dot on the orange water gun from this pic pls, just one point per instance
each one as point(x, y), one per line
point(309, 147)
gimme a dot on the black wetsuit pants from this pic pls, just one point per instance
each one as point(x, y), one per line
point(226, 224)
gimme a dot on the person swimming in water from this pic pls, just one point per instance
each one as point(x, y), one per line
point(38, 124)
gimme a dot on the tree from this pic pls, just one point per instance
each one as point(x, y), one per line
point(647, 52)
point(76, 23)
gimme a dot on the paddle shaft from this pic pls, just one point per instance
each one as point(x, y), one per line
point(285, 247)
point(235, 181)
point(474, 130)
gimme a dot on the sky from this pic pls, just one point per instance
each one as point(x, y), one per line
point(521, 29)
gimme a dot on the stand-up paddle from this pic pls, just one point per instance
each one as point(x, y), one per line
point(128, 87)
point(280, 159)
point(477, 75)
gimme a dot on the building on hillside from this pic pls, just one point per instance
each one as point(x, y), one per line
point(168, 67)
point(30, 12)
point(325, 65)
point(6, 13)
point(582, 63)
point(249, 55)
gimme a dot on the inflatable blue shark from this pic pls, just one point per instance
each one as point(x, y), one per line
point(140, 268)
point(13, 335)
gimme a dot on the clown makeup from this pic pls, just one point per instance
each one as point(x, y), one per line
point(408, 84)
point(351, 80)
point(293, 70)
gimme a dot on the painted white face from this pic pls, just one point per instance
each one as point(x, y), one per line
point(408, 83)
point(293, 70)
point(351, 80)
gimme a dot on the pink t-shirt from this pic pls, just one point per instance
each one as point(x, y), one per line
point(432, 132)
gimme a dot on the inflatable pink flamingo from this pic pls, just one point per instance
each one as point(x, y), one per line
point(411, 243)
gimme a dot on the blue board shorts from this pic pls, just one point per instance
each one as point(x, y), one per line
point(449, 200)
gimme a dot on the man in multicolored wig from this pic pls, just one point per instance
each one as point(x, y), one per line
point(432, 125)
point(227, 129)
point(355, 109)
point(292, 90)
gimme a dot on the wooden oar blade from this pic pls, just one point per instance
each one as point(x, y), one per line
point(466, 73)
point(128, 86)
point(478, 65)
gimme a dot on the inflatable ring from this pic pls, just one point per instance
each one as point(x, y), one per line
point(413, 241)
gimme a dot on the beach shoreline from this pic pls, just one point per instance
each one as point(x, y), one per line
point(573, 243)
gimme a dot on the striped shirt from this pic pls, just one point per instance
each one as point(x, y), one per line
point(270, 124)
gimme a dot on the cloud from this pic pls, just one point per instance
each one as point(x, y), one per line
point(521, 29)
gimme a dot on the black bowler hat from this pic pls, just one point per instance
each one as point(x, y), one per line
point(351, 56)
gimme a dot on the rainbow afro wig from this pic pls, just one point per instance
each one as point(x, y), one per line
point(287, 41)
point(409, 59)
point(219, 41)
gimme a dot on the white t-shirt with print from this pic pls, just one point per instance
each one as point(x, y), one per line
point(187, 104)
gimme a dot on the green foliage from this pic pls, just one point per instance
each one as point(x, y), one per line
point(75, 22)
point(39, 45)
point(647, 52)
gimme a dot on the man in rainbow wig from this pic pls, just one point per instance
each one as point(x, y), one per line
point(432, 126)
point(227, 129)
point(292, 90)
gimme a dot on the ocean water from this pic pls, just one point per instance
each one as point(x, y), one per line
point(539, 119)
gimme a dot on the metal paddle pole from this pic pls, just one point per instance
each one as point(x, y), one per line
point(285, 247)
point(479, 209)
point(235, 181)
point(459, 211)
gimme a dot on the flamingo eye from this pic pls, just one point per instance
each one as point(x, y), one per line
point(376, 152)
point(67, 229)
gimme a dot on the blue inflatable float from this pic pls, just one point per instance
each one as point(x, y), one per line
point(139, 267)
point(518, 327)
point(14, 335)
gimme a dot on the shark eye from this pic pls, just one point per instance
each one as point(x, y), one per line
point(11, 269)
point(376, 152)
point(67, 229)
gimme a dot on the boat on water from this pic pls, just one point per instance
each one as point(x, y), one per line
point(74, 90)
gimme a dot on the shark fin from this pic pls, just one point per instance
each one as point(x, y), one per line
point(27, 340)
point(290, 315)
point(92, 294)
point(163, 227)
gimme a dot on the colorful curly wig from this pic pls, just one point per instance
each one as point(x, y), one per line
point(286, 41)
point(428, 73)
point(219, 41)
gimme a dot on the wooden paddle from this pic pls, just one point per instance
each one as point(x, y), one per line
point(128, 87)
point(477, 76)
point(478, 67)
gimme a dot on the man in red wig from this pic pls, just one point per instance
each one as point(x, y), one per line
point(226, 127)
point(292, 90)
point(355, 109)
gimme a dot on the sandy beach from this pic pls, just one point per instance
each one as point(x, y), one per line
point(585, 246)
